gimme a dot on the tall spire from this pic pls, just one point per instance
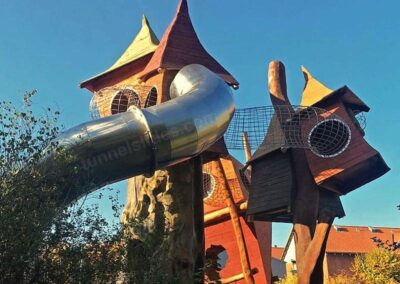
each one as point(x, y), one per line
point(181, 46)
point(144, 43)
point(314, 91)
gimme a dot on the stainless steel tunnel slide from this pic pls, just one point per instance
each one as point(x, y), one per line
point(141, 141)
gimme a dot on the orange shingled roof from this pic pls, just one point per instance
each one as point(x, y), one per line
point(355, 239)
point(180, 46)
point(277, 252)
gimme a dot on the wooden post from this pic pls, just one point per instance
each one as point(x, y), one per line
point(320, 273)
point(246, 146)
point(244, 258)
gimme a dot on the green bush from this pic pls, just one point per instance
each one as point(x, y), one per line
point(378, 266)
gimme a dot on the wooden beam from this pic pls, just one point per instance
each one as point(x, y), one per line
point(320, 271)
point(223, 214)
point(244, 258)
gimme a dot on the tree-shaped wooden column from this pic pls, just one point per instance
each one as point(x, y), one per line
point(310, 227)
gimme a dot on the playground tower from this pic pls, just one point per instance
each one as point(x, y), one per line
point(237, 250)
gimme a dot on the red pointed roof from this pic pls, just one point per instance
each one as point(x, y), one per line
point(180, 46)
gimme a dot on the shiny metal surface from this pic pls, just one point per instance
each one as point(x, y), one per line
point(140, 141)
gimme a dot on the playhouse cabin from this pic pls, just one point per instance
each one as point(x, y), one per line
point(142, 77)
point(273, 191)
point(354, 163)
point(334, 140)
point(339, 158)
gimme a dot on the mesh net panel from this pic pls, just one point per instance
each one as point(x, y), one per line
point(94, 108)
point(329, 138)
point(208, 184)
point(361, 120)
point(287, 127)
point(254, 121)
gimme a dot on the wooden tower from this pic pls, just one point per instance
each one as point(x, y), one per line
point(142, 77)
point(148, 66)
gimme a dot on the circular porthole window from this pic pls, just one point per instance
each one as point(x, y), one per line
point(329, 138)
point(123, 100)
point(208, 185)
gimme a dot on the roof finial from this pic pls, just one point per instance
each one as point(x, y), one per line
point(185, 48)
point(145, 22)
point(183, 7)
point(314, 90)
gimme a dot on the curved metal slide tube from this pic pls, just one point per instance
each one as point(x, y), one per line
point(140, 141)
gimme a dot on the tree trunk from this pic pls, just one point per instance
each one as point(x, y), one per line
point(164, 204)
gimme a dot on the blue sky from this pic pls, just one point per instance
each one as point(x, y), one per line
point(53, 45)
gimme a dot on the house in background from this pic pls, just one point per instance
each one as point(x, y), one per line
point(277, 264)
point(344, 243)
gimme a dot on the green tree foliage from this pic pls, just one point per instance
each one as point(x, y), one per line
point(25, 198)
point(45, 240)
point(378, 266)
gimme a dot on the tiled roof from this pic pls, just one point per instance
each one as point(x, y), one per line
point(355, 239)
point(277, 252)
point(180, 46)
